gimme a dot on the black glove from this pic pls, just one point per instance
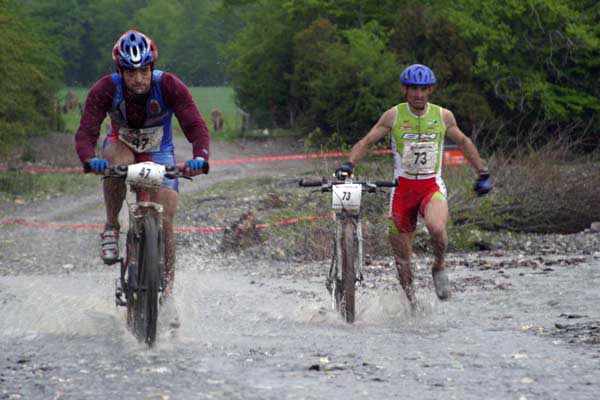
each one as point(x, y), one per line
point(483, 184)
point(344, 171)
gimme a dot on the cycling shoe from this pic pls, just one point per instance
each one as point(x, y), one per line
point(109, 245)
point(441, 283)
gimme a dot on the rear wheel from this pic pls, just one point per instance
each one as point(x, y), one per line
point(347, 305)
point(145, 307)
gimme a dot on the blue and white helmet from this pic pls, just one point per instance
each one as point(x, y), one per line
point(418, 75)
point(134, 50)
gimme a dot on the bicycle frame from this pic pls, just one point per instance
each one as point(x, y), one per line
point(336, 261)
point(141, 207)
point(346, 270)
point(142, 281)
point(144, 179)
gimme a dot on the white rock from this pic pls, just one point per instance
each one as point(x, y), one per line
point(68, 267)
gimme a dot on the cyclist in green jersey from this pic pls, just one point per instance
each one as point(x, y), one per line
point(417, 130)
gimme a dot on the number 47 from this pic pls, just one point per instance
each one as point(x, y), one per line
point(144, 172)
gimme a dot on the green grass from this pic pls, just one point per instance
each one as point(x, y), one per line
point(21, 186)
point(206, 98)
point(72, 118)
point(81, 92)
point(221, 97)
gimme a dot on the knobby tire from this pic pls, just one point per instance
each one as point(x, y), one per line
point(348, 270)
point(146, 305)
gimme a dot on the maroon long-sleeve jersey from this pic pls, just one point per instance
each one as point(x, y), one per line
point(175, 95)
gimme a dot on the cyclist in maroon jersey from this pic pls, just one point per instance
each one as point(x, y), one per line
point(140, 102)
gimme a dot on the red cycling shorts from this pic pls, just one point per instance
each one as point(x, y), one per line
point(410, 198)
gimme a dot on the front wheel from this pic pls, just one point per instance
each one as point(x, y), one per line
point(145, 307)
point(349, 253)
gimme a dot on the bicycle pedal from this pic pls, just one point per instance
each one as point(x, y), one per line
point(120, 299)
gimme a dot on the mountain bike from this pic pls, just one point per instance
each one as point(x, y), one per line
point(346, 270)
point(142, 279)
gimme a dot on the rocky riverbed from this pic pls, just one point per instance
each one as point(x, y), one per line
point(522, 321)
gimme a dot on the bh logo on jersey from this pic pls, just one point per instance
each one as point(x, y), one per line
point(419, 136)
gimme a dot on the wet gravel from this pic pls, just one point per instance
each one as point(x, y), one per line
point(522, 322)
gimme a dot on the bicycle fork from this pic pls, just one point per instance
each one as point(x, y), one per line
point(334, 278)
point(120, 298)
point(126, 286)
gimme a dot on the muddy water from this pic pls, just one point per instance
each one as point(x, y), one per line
point(256, 330)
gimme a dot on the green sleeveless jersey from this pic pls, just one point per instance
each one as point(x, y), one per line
point(418, 142)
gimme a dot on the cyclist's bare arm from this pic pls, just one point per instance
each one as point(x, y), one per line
point(461, 140)
point(377, 132)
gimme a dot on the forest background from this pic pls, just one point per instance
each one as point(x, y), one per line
point(514, 72)
point(522, 78)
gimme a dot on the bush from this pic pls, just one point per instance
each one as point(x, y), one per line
point(540, 192)
point(32, 77)
point(343, 80)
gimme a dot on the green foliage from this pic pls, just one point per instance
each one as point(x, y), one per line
point(343, 80)
point(422, 35)
point(260, 59)
point(512, 72)
point(188, 34)
point(536, 59)
point(196, 51)
point(31, 79)
point(312, 73)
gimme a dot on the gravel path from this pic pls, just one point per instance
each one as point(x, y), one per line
point(522, 323)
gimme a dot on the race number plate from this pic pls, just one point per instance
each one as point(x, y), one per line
point(146, 174)
point(420, 157)
point(346, 196)
point(142, 140)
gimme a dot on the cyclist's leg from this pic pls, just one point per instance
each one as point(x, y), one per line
point(435, 213)
point(402, 224)
point(402, 249)
point(115, 190)
point(436, 217)
point(117, 153)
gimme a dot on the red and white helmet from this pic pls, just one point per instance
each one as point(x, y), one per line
point(134, 50)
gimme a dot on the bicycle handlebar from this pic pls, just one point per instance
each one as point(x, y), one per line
point(386, 183)
point(312, 182)
point(120, 171)
point(326, 185)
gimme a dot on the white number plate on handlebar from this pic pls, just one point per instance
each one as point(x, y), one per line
point(146, 174)
point(346, 196)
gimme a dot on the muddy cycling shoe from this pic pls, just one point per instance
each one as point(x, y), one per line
point(109, 245)
point(441, 283)
point(168, 315)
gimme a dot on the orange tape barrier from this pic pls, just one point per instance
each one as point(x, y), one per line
point(212, 229)
point(450, 157)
